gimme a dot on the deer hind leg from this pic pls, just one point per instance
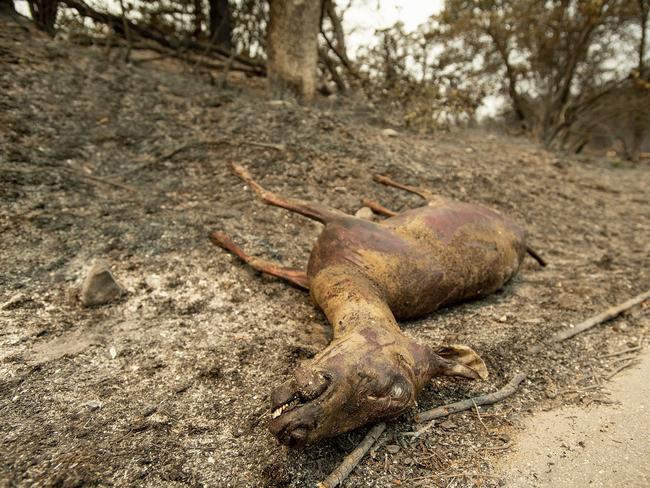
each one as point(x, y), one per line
point(294, 276)
point(431, 198)
point(378, 208)
point(316, 211)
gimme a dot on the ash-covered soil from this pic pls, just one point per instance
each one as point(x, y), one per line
point(169, 385)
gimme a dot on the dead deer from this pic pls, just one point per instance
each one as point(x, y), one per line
point(365, 275)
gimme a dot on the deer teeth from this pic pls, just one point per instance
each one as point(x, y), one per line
point(278, 411)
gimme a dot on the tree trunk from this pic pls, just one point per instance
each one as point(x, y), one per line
point(7, 7)
point(221, 24)
point(198, 18)
point(44, 14)
point(292, 48)
point(640, 118)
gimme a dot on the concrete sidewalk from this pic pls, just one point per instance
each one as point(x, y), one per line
point(604, 446)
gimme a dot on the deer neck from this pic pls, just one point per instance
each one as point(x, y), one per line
point(351, 301)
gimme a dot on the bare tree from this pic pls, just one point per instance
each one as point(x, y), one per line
point(556, 55)
point(292, 48)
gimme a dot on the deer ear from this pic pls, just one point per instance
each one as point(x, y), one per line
point(459, 360)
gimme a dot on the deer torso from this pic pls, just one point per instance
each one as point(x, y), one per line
point(425, 258)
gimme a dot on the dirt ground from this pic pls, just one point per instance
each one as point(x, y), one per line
point(169, 386)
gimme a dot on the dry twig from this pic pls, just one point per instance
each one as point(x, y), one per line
point(198, 144)
point(478, 414)
point(97, 179)
point(608, 314)
point(488, 399)
point(623, 366)
point(620, 353)
point(351, 460)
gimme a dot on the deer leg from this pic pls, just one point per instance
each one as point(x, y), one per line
point(431, 198)
point(316, 211)
point(378, 208)
point(294, 276)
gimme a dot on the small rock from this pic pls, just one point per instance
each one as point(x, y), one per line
point(93, 405)
point(621, 327)
point(149, 410)
point(112, 352)
point(389, 133)
point(558, 163)
point(503, 318)
point(279, 103)
point(14, 301)
point(100, 287)
point(505, 438)
point(448, 424)
point(469, 150)
point(365, 213)
point(225, 213)
point(153, 281)
point(392, 448)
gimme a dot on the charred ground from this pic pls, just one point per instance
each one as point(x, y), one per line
point(169, 385)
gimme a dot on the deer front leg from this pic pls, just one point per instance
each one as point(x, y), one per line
point(294, 276)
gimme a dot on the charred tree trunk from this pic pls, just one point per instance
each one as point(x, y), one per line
point(7, 7)
point(292, 48)
point(640, 118)
point(221, 24)
point(198, 18)
point(44, 14)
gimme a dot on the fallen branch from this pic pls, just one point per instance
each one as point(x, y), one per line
point(125, 28)
point(488, 399)
point(351, 460)
point(608, 314)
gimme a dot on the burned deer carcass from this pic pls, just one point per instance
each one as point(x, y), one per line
point(365, 275)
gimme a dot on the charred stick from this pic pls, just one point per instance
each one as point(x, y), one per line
point(467, 404)
point(533, 254)
point(351, 460)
